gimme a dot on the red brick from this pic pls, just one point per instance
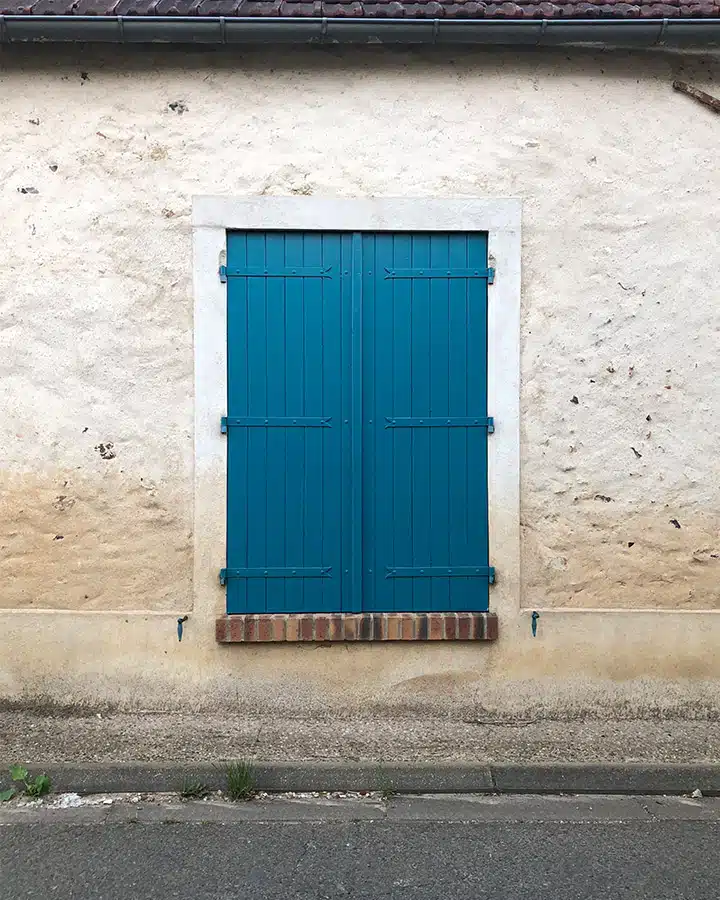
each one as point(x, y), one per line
point(464, 627)
point(435, 629)
point(408, 627)
point(367, 627)
point(421, 627)
point(292, 628)
point(237, 628)
point(278, 630)
point(305, 628)
point(393, 627)
point(322, 627)
point(251, 628)
point(265, 628)
point(491, 627)
point(336, 629)
point(352, 627)
point(451, 624)
point(221, 629)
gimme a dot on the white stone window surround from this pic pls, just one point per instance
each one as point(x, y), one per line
point(213, 217)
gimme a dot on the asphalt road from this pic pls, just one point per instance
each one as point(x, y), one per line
point(506, 848)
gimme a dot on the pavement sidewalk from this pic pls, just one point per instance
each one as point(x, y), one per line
point(154, 752)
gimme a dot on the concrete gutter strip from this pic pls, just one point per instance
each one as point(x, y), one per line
point(406, 778)
point(626, 33)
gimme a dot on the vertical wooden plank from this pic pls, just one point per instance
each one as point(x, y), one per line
point(399, 347)
point(345, 345)
point(237, 474)
point(356, 430)
point(421, 463)
point(330, 523)
point(369, 426)
point(279, 291)
point(438, 438)
point(295, 438)
point(257, 437)
point(313, 405)
point(381, 405)
point(459, 552)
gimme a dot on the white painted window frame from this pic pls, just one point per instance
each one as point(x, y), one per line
point(213, 217)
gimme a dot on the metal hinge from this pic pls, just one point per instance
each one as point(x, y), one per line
point(428, 272)
point(441, 422)
point(441, 572)
point(276, 572)
point(274, 422)
point(226, 272)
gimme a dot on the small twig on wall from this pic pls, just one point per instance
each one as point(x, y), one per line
point(697, 94)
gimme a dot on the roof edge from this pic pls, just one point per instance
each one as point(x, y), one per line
point(616, 33)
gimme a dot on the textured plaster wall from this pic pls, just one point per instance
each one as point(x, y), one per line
point(101, 154)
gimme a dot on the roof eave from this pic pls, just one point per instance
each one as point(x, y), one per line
point(673, 33)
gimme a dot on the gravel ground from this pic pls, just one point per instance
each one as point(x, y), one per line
point(194, 737)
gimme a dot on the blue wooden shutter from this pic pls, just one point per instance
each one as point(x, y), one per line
point(288, 449)
point(357, 422)
point(425, 422)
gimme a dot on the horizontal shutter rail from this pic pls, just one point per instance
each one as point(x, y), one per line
point(441, 422)
point(274, 422)
point(284, 272)
point(276, 572)
point(441, 572)
point(427, 272)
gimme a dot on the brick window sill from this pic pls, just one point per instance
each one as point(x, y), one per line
point(278, 628)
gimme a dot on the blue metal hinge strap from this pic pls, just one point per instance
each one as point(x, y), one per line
point(226, 272)
point(274, 422)
point(441, 422)
point(442, 572)
point(441, 273)
point(276, 572)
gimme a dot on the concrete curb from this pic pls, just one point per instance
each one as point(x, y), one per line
point(406, 778)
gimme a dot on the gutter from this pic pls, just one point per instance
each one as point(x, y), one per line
point(627, 33)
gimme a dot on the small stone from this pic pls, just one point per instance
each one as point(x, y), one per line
point(697, 794)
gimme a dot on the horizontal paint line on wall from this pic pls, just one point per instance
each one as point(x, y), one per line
point(609, 610)
point(118, 613)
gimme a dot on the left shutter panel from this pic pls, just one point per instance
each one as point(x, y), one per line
point(287, 371)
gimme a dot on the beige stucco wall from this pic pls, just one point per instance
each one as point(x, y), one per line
point(619, 183)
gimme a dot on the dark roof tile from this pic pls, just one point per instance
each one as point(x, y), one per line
point(94, 8)
point(218, 7)
point(384, 9)
point(343, 10)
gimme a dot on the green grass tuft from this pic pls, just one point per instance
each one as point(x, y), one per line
point(240, 779)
